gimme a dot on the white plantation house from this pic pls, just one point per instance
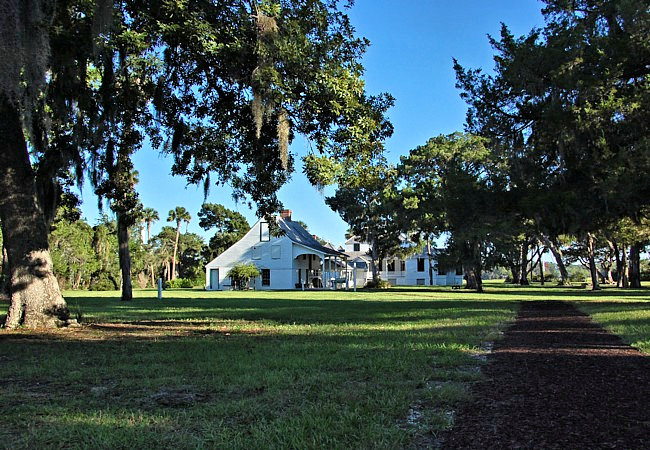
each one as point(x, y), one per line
point(413, 270)
point(295, 260)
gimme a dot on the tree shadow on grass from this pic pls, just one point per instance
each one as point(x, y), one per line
point(294, 311)
point(366, 375)
point(536, 290)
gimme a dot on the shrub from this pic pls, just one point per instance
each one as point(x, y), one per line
point(241, 275)
point(380, 284)
point(547, 277)
point(102, 282)
point(645, 270)
point(178, 283)
point(578, 273)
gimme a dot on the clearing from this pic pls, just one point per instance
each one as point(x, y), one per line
point(372, 369)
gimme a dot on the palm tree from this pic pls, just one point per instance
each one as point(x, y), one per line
point(149, 216)
point(178, 215)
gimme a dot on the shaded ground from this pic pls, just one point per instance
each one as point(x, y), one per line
point(558, 380)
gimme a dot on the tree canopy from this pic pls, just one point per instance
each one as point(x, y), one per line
point(222, 86)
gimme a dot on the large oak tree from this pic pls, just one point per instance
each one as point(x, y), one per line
point(237, 80)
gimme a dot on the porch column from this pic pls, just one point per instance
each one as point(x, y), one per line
point(336, 270)
point(329, 268)
point(323, 272)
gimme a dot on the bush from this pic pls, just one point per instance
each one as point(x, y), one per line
point(578, 274)
point(380, 284)
point(178, 283)
point(645, 270)
point(241, 274)
point(547, 277)
point(102, 282)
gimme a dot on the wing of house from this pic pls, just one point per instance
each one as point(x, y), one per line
point(412, 270)
point(294, 260)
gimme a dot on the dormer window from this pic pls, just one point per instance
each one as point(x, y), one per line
point(356, 247)
point(264, 232)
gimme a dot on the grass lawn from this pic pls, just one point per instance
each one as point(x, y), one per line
point(629, 317)
point(327, 369)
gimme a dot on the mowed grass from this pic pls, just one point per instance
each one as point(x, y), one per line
point(246, 370)
point(372, 369)
point(626, 317)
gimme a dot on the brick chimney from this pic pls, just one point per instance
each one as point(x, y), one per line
point(286, 214)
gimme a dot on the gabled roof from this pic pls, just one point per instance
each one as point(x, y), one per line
point(353, 239)
point(299, 235)
point(358, 256)
point(359, 263)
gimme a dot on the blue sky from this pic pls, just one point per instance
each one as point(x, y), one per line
point(412, 46)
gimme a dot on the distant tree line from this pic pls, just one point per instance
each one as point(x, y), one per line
point(86, 256)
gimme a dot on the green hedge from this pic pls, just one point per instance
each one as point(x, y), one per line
point(178, 283)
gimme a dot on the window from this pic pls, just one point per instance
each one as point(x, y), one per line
point(275, 252)
point(402, 266)
point(420, 264)
point(391, 265)
point(264, 232)
point(442, 270)
point(459, 270)
point(419, 282)
point(356, 247)
point(266, 277)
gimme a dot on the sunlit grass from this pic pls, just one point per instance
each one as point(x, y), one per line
point(629, 318)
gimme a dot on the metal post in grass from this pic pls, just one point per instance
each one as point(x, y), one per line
point(159, 288)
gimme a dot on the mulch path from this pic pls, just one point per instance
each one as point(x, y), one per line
point(557, 380)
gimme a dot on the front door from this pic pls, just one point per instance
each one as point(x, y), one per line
point(214, 278)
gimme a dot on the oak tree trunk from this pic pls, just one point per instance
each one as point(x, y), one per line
point(125, 258)
point(473, 273)
point(635, 265)
point(514, 271)
point(617, 257)
point(625, 280)
point(35, 298)
point(559, 261)
point(474, 280)
point(591, 253)
point(523, 280)
point(5, 291)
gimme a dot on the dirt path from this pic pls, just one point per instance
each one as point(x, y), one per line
point(558, 380)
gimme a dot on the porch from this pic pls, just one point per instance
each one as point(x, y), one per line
point(314, 270)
